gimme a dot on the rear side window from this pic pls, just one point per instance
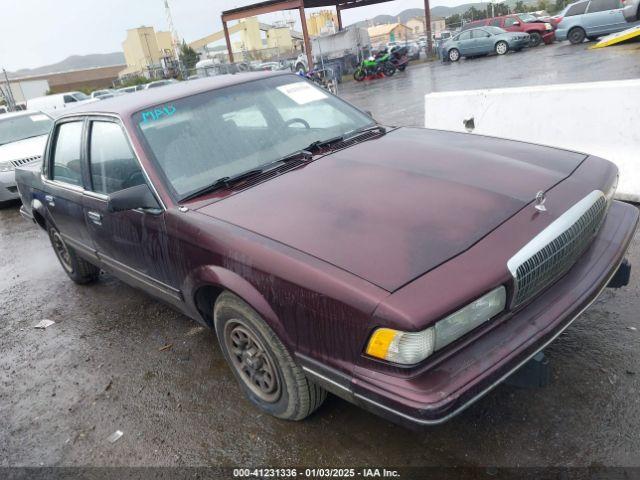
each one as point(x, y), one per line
point(576, 9)
point(603, 5)
point(480, 33)
point(113, 165)
point(495, 22)
point(69, 99)
point(66, 155)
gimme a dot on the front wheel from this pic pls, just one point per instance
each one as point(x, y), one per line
point(535, 39)
point(388, 69)
point(576, 35)
point(454, 55)
point(502, 47)
point(77, 268)
point(359, 75)
point(263, 367)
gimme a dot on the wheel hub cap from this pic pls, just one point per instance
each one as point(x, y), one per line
point(252, 362)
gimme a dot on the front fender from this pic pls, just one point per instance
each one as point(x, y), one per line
point(220, 277)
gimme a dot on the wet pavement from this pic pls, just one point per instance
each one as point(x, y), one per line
point(399, 100)
point(116, 359)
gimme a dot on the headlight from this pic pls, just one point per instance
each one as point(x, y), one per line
point(6, 167)
point(412, 347)
point(548, 26)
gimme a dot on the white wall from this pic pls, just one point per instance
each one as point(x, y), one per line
point(24, 90)
point(600, 118)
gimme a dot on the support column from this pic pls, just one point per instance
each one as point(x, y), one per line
point(305, 36)
point(427, 27)
point(339, 15)
point(228, 40)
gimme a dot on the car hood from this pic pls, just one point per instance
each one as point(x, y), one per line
point(390, 209)
point(29, 147)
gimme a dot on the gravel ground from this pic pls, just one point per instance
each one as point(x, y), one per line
point(117, 359)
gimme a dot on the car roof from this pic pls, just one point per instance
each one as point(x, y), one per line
point(6, 116)
point(126, 105)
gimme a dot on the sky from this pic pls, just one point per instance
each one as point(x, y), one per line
point(34, 33)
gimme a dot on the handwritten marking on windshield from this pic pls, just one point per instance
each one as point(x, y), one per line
point(158, 113)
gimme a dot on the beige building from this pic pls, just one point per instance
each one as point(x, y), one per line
point(392, 32)
point(416, 25)
point(145, 49)
point(324, 21)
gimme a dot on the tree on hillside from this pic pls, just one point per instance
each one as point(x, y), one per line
point(474, 14)
point(453, 21)
point(188, 56)
point(519, 7)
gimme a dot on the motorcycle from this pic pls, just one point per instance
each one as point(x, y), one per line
point(399, 57)
point(375, 67)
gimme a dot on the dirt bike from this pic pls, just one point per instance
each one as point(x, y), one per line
point(374, 67)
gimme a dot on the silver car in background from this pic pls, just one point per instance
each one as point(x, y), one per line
point(631, 10)
point(483, 41)
point(23, 136)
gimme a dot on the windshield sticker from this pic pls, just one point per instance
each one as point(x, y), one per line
point(302, 93)
point(39, 118)
point(157, 113)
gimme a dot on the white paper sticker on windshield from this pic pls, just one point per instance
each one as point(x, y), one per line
point(39, 118)
point(302, 93)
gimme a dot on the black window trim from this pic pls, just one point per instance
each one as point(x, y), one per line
point(86, 188)
point(50, 154)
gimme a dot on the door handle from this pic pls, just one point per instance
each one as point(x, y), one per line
point(49, 200)
point(95, 217)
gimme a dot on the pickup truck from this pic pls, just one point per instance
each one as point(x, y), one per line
point(539, 31)
point(407, 270)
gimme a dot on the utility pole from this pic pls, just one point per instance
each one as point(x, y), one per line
point(427, 28)
point(175, 40)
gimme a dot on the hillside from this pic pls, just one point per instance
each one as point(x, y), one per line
point(74, 62)
point(435, 12)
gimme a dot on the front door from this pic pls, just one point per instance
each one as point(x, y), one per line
point(64, 180)
point(131, 244)
point(482, 41)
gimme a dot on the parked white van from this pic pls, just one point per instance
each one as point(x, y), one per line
point(57, 101)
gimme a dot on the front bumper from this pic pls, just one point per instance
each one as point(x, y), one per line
point(435, 395)
point(8, 189)
point(549, 37)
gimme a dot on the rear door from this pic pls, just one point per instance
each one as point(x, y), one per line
point(604, 17)
point(465, 43)
point(132, 244)
point(482, 41)
point(64, 185)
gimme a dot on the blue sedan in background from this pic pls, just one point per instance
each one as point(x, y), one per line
point(483, 41)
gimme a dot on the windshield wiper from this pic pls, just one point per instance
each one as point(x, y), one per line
point(225, 182)
point(359, 131)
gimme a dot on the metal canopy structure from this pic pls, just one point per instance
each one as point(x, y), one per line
point(271, 6)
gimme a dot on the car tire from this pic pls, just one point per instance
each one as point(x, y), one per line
point(77, 268)
point(576, 35)
point(453, 54)
point(263, 367)
point(535, 39)
point(502, 47)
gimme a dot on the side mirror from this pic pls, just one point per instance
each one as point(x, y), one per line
point(131, 198)
point(516, 23)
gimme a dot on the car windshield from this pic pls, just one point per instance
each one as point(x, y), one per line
point(527, 17)
point(222, 133)
point(13, 129)
point(494, 30)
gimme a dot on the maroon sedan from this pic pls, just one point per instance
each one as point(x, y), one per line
point(405, 270)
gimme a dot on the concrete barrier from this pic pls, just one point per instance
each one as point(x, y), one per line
point(600, 118)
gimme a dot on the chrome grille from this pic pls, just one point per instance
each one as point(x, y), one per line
point(554, 250)
point(24, 161)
